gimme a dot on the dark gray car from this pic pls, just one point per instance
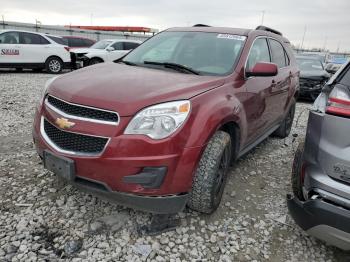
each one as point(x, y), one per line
point(312, 76)
point(321, 168)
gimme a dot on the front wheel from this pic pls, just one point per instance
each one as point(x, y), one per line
point(95, 60)
point(54, 65)
point(285, 127)
point(210, 177)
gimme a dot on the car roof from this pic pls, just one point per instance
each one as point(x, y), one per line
point(228, 30)
point(24, 31)
point(121, 40)
point(75, 36)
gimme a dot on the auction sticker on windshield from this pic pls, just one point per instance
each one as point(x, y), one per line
point(232, 37)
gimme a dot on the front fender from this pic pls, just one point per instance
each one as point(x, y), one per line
point(212, 110)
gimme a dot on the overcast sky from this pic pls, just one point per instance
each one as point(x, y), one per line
point(327, 22)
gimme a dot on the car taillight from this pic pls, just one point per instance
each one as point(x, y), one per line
point(339, 101)
point(67, 48)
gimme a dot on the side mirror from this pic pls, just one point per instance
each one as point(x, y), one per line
point(263, 69)
point(110, 48)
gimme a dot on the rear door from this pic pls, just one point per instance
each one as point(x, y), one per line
point(282, 82)
point(36, 49)
point(10, 49)
point(258, 105)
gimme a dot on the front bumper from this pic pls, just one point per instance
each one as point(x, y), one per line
point(121, 172)
point(324, 220)
point(155, 204)
point(307, 92)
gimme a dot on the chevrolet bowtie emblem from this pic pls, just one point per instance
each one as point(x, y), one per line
point(64, 123)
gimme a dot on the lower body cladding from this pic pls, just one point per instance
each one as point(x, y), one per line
point(152, 183)
point(322, 219)
point(325, 213)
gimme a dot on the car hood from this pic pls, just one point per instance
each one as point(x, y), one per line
point(314, 74)
point(128, 89)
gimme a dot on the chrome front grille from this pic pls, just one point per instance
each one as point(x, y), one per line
point(81, 112)
point(72, 143)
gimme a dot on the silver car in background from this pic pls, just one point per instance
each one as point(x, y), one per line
point(321, 168)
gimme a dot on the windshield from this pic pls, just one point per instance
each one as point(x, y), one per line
point(205, 53)
point(101, 44)
point(309, 64)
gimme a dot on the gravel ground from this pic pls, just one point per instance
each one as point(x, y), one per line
point(44, 219)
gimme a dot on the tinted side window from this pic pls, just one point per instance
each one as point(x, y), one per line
point(130, 45)
point(258, 53)
point(58, 40)
point(75, 42)
point(88, 42)
point(278, 53)
point(118, 46)
point(9, 38)
point(30, 39)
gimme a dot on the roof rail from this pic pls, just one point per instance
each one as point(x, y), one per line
point(201, 25)
point(265, 28)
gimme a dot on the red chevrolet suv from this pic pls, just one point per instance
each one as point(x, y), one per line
point(159, 128)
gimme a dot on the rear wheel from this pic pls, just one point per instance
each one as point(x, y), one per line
point(297, 172)
point(95, 60)
point(284, 129)
point(54, 65)
point(211, 175)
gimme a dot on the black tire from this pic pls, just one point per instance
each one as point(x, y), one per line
point(211, 174)
point(19, 70)
point(95, 60)
point(284, 129)
point(54, 65)
point(297, 183)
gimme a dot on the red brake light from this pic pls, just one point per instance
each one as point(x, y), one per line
point(67, 48)
point(339, 101)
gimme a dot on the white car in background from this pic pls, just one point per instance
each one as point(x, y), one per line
point(106, 50)
point(22, 49)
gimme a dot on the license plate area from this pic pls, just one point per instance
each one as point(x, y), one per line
point(61, 166)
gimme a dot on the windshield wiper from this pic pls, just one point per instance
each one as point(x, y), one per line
point(174, 66)
point(127, 63)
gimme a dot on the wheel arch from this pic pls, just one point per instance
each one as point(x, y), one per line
point(233, 129)
point(54, 56)
point(97, 57)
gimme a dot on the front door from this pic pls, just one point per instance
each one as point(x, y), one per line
point(258, 104)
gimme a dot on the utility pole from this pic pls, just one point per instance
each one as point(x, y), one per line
point(262, 17)
point(91, 15)
point(325, 43)
point(302, 41)
point(3, 21)
point(338, 46)
point(37, 25)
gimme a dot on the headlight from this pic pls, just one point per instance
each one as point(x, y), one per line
point(159, 121)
